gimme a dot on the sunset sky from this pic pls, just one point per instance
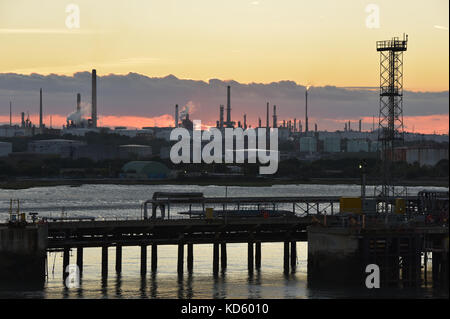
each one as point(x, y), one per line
point(317, 43)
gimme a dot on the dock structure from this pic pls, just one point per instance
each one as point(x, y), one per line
point(338, 243)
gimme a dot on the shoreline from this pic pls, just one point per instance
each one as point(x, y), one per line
point(31, 183)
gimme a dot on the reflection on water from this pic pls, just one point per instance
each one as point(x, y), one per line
point(234, 282)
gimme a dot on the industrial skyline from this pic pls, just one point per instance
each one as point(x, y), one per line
point(328, 115)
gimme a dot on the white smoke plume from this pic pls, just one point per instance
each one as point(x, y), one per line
point(81, 116)
point(188, 108)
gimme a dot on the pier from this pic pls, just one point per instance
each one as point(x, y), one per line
point(340, 245)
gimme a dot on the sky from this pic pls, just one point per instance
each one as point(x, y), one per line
point(323, 43)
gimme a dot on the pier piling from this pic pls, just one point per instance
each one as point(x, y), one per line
point(190, 257)
point(154, 258)
point(215, 258)
point(143, 260)
point(66, 258)
point(104, 261)
point(223, 255)
point(80, 259)
point(286, 257)
point(258, 255)
point(250, 257)
point(180, 259)
point(118, 259)
point(293, 255)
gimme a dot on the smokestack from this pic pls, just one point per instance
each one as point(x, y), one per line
point(78, 102)
point(267, 116)
point(360, 125)
point(94, 98)
point(306, 111)
point(40, 108)
point(300, 128)
point(23, 119)
point(229, 105)
point(349, 127)
point(295, 125)
point(259, 122)
point(176, 115)
point(245, 121)
point(221, 117)
point(275, 116)
point(10, 113)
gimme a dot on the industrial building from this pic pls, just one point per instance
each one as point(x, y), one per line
point(5, 149)
point(146, 170)
point(61, 147)
point(135, 151)
point(308, 145)
point(332, 144)
point(356, 146)
point(424, 156)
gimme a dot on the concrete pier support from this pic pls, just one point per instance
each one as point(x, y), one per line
point(286, 257)
point(104, 261)
point(66, 261)
point(215, 258)
point(223, 255)
point(143, 260)
point(80, 259)
point(258, 255)
point(23, 254)
point(154, 258)
point(293, 255)
point(180, 263)
point(250, 257)
point(334, 257)
point(118, 259)
point(190, 257)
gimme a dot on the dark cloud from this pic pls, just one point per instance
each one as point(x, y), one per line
point(138, 95)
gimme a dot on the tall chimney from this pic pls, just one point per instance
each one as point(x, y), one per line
point(306, 111)
point(23, 119)
point(267, 116)
point(221, 116)
point(228, 106)
point(94, 98)
point(295, 125)
point(176, 115)
point(245, 121)
point(349, 127)
point(259, 122)
point(300, 128)
point(40, 108)
point(78, 102)
point(360, 124)
point(275, 116)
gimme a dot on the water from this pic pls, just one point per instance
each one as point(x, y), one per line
point(114, 201)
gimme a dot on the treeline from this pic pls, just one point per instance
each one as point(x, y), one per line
point(53, 166)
